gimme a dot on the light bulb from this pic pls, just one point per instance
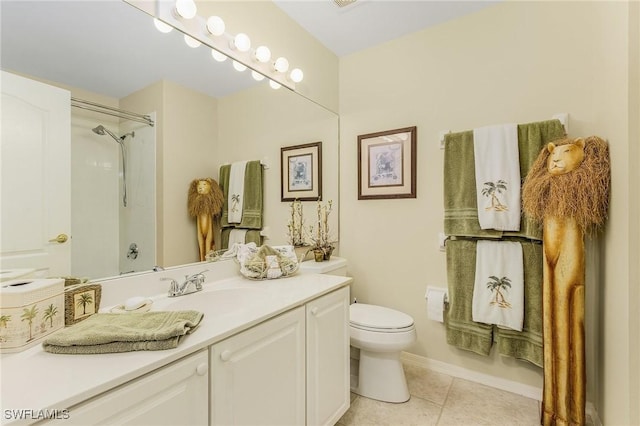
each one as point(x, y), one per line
point(262, 54)
point(191, 42)
point(274, 85)
point(242, 42)
point(161, 26)
point(257, 76)
point(215, 25)
point(186, 8)
point(238, 66)
point(281, 64)
point(296, 75)
point(220, 57)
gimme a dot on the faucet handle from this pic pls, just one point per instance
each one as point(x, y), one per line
point(174, 287)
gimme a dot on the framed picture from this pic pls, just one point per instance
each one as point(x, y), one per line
point(387, 164)
point(301, 172)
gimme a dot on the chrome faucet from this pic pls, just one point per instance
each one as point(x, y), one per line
point(191, 284)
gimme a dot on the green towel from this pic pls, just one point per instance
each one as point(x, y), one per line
point(527, 344)
point(253, 236)
point(461, 330)
point(106, 333)
point(252, 202)
point(460, 204)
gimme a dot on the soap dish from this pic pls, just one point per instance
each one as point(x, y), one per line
point(119, 309)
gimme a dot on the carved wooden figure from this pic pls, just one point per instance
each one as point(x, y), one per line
point(205, 204)
point(567, 190)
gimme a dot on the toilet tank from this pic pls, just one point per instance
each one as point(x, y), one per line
point(333, 266)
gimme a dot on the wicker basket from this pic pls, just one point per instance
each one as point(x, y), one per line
point(267, 262)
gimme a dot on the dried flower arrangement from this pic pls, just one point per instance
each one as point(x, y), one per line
point(295, 227)
point(320, 236)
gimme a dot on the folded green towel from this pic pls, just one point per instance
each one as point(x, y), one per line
point(460, 203)
point(253, 236)
point(461, 330)
point(252, 202)
point(105, 332)
point(527, 344)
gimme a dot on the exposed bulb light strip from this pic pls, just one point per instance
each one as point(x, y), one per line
point(211, 32)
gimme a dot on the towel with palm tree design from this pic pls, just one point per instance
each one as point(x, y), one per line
point(498, 292)
point(497, 172)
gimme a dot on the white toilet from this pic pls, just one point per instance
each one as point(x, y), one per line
point(380, 334)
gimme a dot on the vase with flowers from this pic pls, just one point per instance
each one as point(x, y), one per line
point(319, 234)
point(296, 231)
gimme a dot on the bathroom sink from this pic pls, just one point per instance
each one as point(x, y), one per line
point(214, 301)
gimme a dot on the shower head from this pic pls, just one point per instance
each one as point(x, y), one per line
point(101, 130)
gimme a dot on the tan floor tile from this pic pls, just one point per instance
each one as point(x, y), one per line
point(470, 403)
point(369, 412)
point(427, 384)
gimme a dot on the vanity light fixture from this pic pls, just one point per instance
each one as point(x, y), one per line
point(215, 25)
point(296, 75)
point(240, 67)
point(191, 42)
point(220, 57)
point(262, 54)
point(161, 26)
point(281, 65)
point(182, 15)
point(242, 42)
point(186, 9)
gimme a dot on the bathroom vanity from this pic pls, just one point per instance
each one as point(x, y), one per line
point(266, 352)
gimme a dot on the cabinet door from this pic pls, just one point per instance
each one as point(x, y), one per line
point(173, 395)
point(258, 375)
point(328, 394)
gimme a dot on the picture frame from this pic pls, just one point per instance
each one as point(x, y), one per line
point(387, 164)
point(301, 172)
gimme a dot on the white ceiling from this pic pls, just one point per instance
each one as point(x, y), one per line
point(366, 23)
point(109, 47)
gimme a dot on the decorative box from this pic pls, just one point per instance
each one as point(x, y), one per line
point(30, 309)
point(80, 302)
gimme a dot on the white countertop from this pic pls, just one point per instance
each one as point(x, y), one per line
point(38, 380)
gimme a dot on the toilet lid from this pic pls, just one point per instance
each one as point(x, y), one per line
point(378, 317)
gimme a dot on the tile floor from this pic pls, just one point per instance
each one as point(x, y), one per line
point(439, 399)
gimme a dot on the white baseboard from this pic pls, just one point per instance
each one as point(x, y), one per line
point(532, 392)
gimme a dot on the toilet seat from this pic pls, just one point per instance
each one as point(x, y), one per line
point(378, 319)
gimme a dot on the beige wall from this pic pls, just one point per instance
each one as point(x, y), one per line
point(538, 59)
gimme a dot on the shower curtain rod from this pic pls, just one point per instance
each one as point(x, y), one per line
point(116, 112)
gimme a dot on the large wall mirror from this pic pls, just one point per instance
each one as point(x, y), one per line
point(204, 114)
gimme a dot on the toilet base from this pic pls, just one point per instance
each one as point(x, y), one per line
point(381, 377)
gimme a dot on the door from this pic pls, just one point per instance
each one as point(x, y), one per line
point(35, 161)
point(258, 376)
point(328, 368)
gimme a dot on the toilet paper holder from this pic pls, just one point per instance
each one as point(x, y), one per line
point(445, 299)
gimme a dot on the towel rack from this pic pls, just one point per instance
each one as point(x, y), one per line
point(563, 117)
point(264, 162)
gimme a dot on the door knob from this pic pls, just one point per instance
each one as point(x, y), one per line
point(61, 238)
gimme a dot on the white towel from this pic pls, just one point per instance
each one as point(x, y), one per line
point(237, 236)
point(236, 192)
point(497, 162)
point(498, 291)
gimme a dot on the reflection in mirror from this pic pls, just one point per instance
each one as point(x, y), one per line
point(206, 114)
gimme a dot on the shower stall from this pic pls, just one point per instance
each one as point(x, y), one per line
point(113, 187)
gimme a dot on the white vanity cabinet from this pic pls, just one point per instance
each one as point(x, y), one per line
point(290, 370)
point(176, 394)
point(328, 368)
